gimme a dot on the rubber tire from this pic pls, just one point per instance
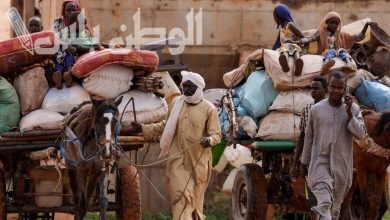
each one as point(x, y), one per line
point(3, 210)
point(128, 194)
point(249, 198)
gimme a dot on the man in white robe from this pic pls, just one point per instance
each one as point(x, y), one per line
point(188, 134)
point(328, 148)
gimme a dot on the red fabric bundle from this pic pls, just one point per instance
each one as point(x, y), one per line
point(137, 59)
point(15, 54)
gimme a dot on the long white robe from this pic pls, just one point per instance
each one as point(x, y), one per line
point(189, 173)
point(328, 152)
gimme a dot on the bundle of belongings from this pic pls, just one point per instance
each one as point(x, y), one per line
point(263, 102)
point(29, 101)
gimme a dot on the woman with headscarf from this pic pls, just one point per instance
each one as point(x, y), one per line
point(65, 58)
point(68, 6)
point(288, 33)
point(188, 134)
point(332, 42)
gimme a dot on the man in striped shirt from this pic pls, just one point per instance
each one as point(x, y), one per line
point(318, 88)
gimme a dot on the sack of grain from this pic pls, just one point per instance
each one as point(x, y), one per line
point(41, 119)
point(292, 101)
point(109, 81)
point(148, 108)
point(31, 87)
point(65, 99)
point(279, 126)
point(311, 69)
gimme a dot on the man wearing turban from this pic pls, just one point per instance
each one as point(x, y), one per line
point(188, 134)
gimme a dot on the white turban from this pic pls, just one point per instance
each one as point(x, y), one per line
point(170, 126)
point(194, 78)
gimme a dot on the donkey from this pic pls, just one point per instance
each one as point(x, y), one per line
point(92, 136)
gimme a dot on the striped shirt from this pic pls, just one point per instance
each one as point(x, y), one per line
point(304, 116)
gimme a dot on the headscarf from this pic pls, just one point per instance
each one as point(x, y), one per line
point(170, 126)
point(64, 18)
point(283, 12)
point(198, 81)
point(339, 37)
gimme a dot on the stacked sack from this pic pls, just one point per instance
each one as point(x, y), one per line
point(278, 116)
point(106, 74)
point(282, 100)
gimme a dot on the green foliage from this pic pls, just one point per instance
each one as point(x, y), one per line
point(219, 208)
point(95, 215)
point(386, 216)
point(158, 216)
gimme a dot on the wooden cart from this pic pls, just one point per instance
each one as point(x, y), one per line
point(21, 156)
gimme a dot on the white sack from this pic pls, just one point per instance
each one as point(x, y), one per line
point(292, 101)
point(311, 69)
point(64, 100)
point(214, 95)
point(148, 108)
point(248, 124)
point(40, 120)
point(109, 81)
point(279, 126)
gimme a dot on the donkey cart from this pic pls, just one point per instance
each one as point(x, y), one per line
point(258, 186)
point(36, 191)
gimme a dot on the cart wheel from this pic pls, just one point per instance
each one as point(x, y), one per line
point(128, 195)
point(249, 199)
point(3, 211)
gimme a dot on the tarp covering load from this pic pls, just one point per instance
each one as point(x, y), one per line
point(9, 106)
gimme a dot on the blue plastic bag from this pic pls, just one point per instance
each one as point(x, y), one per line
point(257, 94)
point(373, 95)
